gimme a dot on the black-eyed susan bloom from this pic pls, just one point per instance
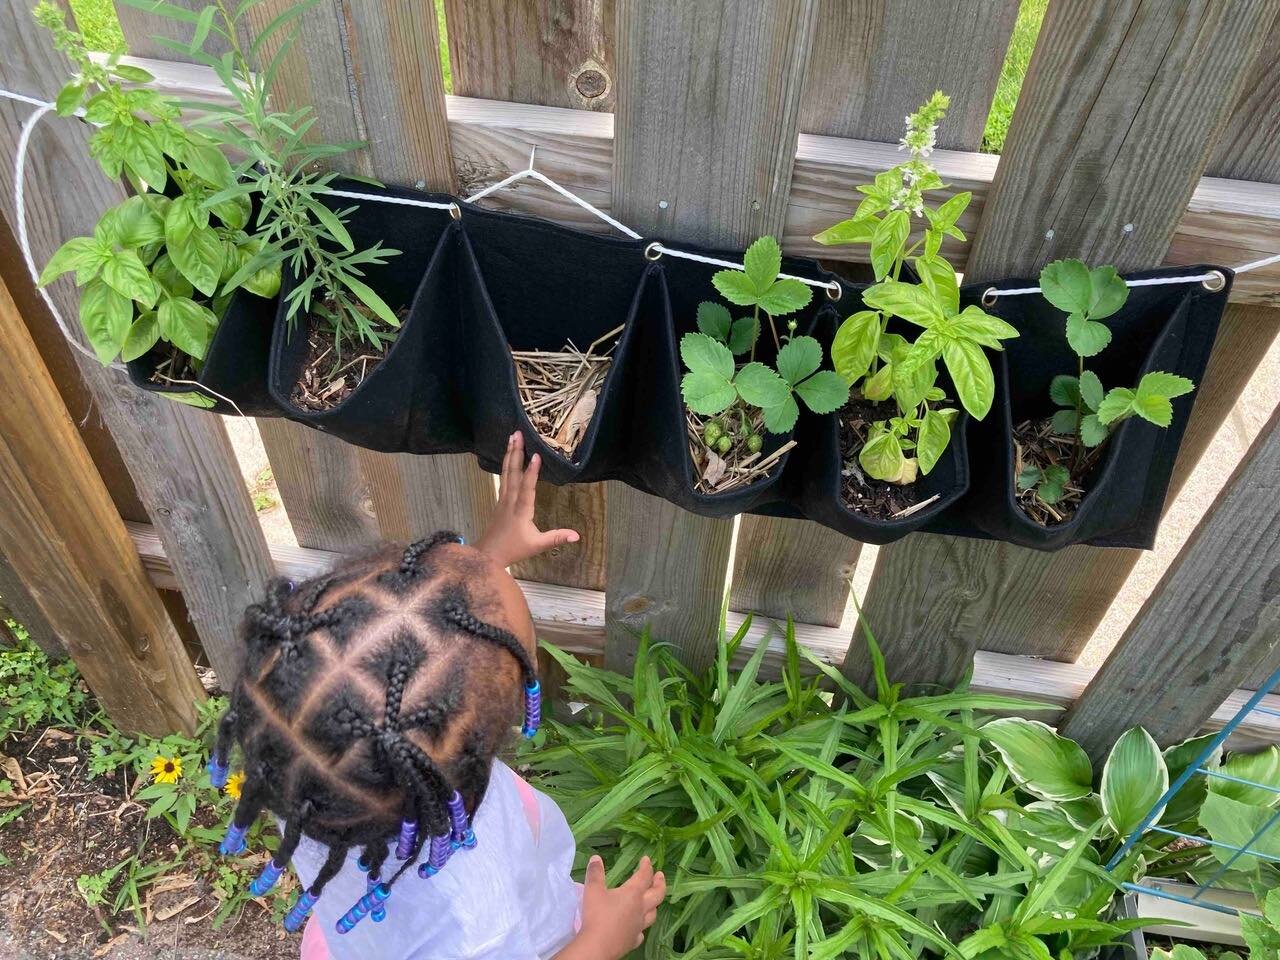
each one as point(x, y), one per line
point(234, 784)
point(166, 769)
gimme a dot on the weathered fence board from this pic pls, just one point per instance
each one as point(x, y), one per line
point(923, 45)
point(792, 568)
point(179, 458)
point(1214, 617)
point(1125, 162)
point(686, 167)
point(68, 544)
point(17, 603)
point(556, 52)
point(1246, 148)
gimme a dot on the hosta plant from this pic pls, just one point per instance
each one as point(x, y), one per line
point(1087, 412)
point(157, 266)
point(796, 822)
point(885, 367)
point(1236, 814)
point(280, 166)
point(738, 397)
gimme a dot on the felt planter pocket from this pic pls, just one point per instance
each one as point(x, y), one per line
point(405, 403)
point(233, 378)
point(663, 442)
point(1167, 328)
point(530, 285)
point(817, 473)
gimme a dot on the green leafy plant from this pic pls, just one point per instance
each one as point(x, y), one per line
point(282, 167)
point(1088, 413)
point(742, 396)
point(35, 690)
point(884, 366)
point(156, 267)
point(798, 822)
point(1261, 935)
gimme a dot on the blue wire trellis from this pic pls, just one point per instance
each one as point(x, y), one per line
point(1198, 768)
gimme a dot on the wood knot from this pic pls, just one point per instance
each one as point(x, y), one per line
point(591, 84)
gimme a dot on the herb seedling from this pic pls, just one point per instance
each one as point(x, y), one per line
point(153, 270)
point(1087, 413)
point(742, 397)
point(280, 166)
point(883, 366)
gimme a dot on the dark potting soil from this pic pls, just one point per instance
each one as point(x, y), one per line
point(866, 495)
point(1037, 445)
point(328, 379)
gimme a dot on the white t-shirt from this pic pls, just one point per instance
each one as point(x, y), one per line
point(510, 897)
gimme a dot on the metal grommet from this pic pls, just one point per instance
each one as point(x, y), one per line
point(989, 297)
point(653, 251)
point(1215, 281)
point(455, 211)
point(834, 290)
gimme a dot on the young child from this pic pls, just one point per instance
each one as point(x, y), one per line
point(371, 708)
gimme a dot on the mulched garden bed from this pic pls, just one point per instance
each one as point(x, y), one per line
point(74, 825)
point(328, 379)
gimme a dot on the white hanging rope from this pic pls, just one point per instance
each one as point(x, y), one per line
point(655, 250)
point(402, 201)
point(531, 174)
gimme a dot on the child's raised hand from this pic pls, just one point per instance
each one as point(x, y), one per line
point(614, 921)
point(512, 535)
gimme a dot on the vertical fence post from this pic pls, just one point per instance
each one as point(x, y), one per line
point(1214, 616)
point(705, 135)
point(529, 51)
point(1083, 158)
point(60, 532)
point(180, 458)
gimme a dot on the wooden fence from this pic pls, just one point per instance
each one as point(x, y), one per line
point(1147, 132)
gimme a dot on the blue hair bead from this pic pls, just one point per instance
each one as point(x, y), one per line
point(380, 912)
point(462, 540)
point(376, 896)
point(298, 913)
point(532, 710)
point(408, 837)
point(233, 843)
point(462, 833)
point(264, 881)
point(218, 773)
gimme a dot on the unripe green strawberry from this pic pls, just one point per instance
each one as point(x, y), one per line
point(711, 432)
point(724, 445)
point(755, 443)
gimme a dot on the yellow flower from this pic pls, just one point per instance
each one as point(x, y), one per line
point(234, 783)
point(166, 769)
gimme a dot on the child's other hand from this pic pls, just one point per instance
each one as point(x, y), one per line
point(614, 921)
point(512, 535)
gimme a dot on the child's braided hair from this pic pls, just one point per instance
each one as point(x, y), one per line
point(370, 695)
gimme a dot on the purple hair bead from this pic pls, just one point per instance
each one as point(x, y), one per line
point(441, 848)
point(376, 896)
point(463, 835)
point(218, 773)
point(380, 912)
point(532, 710)
point(408, 837)
point(301, 909)
point(233, 842)
point(264, 881)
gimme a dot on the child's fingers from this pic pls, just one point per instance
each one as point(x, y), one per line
point(528, 487)
point(657, 891)
point(556, 538)
point(510, 465)
point(643, 877)
point(595, 872)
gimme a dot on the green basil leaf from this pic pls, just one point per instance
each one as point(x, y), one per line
point(853, 230)
point(972, 375)
point(888, 241)
point(977, 325)
point(85, 255)
point(106, 316)
point(142, 336)
point(69, 99)
point(143, 156)
point(125, 273)
point(906, 300)
point(931, 443)
point(882, 458)
point(879, 386)
point(940, 279)
point(854, 345)
point(199, 257)
point(189, 326)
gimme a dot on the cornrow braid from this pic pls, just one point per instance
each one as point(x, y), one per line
point(349, 738)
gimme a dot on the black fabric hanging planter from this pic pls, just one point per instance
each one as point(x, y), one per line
point(1168, 328)
point(407, 402)
point(665, 464)
point(817, 477)
point(234, 369)
point(531, 285)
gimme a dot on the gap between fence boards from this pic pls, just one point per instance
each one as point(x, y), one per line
point(574, 619)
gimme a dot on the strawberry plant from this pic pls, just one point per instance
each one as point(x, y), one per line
point(740, 396)
point(886, 367)
point(1088, 413)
